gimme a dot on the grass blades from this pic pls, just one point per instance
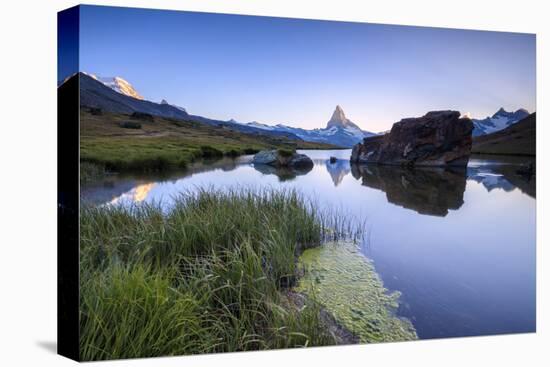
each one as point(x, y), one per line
point(210, 275)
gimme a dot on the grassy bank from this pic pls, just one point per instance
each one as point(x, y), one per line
point(208, 276)
point(162, 143)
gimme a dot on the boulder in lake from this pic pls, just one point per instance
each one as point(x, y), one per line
point(282, 158)
point(439, 138)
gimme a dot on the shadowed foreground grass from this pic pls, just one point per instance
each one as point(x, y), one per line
point(207, 276)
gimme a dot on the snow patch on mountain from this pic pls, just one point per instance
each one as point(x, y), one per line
point(500, 120)
point(117, 84)
point(259, 125)
point(339, 130)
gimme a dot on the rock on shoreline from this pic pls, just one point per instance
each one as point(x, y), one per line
point(439, 138)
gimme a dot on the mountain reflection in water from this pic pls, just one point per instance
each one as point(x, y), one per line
point(338, 170)
point(493, 175)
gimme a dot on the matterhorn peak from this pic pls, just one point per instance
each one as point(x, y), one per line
point(339, 119)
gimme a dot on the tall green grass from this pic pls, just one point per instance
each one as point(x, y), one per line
point(209, 275)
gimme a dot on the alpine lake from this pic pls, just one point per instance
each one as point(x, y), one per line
point(446, 252)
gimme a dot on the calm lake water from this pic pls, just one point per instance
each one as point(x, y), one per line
point(458, 244)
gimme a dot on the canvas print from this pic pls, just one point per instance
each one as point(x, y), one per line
point(249, 183)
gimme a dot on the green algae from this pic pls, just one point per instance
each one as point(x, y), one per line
point(346, 284)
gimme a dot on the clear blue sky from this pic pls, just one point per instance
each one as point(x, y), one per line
point(294, 71)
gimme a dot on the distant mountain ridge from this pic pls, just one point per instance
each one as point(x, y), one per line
point(500, 120)
point(95, 94)
point(339, 131)
point(118, 95)
point(178, 107)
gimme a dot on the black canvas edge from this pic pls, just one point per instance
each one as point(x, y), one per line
point(68, 184)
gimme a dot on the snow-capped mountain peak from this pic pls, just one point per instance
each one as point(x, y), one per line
point(520, 113)
point(501, 111)
point(339, 119)
point(500, 120)
point(117, 84)
point(339, 131)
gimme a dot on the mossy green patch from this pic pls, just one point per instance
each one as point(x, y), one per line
point(345, 282)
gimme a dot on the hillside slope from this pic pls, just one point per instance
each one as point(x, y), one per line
point(163, 142)
point(517, 139)
point(95, 94)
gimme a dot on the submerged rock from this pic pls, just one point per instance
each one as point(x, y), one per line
point(282, 158)
point(439, 138)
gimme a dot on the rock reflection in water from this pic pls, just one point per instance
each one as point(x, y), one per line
point(283, 173)
point(431, 191)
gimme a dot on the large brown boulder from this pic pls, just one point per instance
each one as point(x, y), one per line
point(439, 138)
